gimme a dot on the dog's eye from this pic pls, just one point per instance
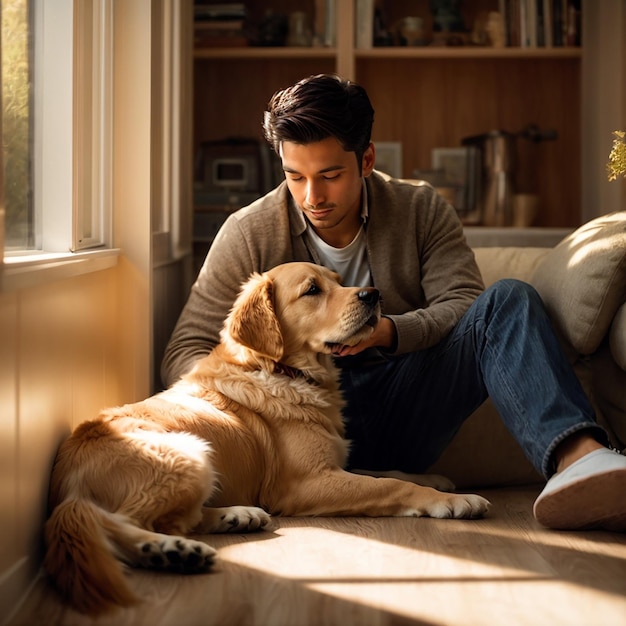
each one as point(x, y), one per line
point(312, 290)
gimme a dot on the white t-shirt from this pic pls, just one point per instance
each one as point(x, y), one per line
point(349, 262)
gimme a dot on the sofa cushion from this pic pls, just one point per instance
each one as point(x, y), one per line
point(582, 280)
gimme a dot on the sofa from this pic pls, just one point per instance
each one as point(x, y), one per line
point(582, 281)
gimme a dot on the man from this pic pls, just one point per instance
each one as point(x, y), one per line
point(443, 344)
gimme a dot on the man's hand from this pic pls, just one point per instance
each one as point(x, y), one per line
point(383, 336)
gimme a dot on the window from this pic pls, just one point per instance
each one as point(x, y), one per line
point(17, 124)
point(56, 115)
point(93, 106)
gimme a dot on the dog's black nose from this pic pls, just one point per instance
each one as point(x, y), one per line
point(369, 296)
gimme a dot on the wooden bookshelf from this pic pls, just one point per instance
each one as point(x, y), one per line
point(424, 97)
point(473, 52)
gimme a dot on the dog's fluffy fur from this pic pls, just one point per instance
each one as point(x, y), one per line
point(254, 429)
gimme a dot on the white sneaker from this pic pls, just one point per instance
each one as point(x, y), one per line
point(589, 494)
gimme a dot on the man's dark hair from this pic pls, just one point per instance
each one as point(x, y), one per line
point(319, 107)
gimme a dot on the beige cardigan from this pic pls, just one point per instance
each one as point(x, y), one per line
point(416, 249)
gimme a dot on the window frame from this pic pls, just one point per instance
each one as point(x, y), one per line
point(72, 144)
point(93, 124)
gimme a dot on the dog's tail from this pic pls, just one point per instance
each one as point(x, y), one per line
point(80, 557)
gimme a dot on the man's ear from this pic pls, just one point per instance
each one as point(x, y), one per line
point(252, 321)
point(368, 160)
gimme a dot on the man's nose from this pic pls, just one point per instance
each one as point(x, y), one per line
point(314, 194)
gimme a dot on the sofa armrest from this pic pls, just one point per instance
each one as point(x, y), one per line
point(617, 337)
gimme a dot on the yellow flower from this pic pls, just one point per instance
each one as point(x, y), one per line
point(617, 158)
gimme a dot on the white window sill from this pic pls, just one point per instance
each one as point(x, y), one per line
point(22, 271)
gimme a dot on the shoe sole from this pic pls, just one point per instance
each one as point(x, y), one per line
point(596, 502)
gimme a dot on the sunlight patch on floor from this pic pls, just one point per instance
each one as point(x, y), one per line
point(428, 583)
point(305, 547)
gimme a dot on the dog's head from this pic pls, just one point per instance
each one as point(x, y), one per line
point(298, 310)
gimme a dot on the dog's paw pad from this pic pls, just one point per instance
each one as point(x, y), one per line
point(177, 554)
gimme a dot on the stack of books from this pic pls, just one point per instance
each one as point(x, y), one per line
point(542, 23)
point(219, 24)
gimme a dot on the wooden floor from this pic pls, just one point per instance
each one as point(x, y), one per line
point(504, 570)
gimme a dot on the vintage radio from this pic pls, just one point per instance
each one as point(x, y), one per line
point(229, 174)
point(241, 165)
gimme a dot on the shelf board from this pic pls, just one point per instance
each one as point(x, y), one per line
point(461, 52)
point(426, 52)
point(254, 52)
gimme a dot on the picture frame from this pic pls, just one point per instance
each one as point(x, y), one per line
point(460, 167)
point(389, 157)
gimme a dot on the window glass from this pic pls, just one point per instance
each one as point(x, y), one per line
point(17, 123)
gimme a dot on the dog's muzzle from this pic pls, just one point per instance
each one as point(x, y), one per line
point(371, 298)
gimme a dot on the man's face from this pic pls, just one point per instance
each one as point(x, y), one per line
point(325, 182)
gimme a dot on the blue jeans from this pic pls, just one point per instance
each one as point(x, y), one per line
point(403, 411)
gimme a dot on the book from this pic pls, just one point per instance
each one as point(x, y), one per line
point(221, 11)
point(541, 23)
point(364, 31)
point(325, 23)
point(531, 23)
point(547, 23)
point(504, 10)
point(219, 33)
point(208, 26)
point(513, 23)
point(557, 22)
point(573, 23)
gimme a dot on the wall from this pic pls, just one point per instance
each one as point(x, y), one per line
point(604, 103)
point(172, 195)
point(60, 364)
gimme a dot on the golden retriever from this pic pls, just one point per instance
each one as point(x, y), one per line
point(254, 429)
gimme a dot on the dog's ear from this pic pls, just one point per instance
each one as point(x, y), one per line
point(252, 321)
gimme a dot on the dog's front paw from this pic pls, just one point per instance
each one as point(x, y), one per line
point(235, 519)
point(462, 506)
point(175, 554)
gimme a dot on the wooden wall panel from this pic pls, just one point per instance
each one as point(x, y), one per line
point(58, 361)
point(10, 552)
point(225, 105)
